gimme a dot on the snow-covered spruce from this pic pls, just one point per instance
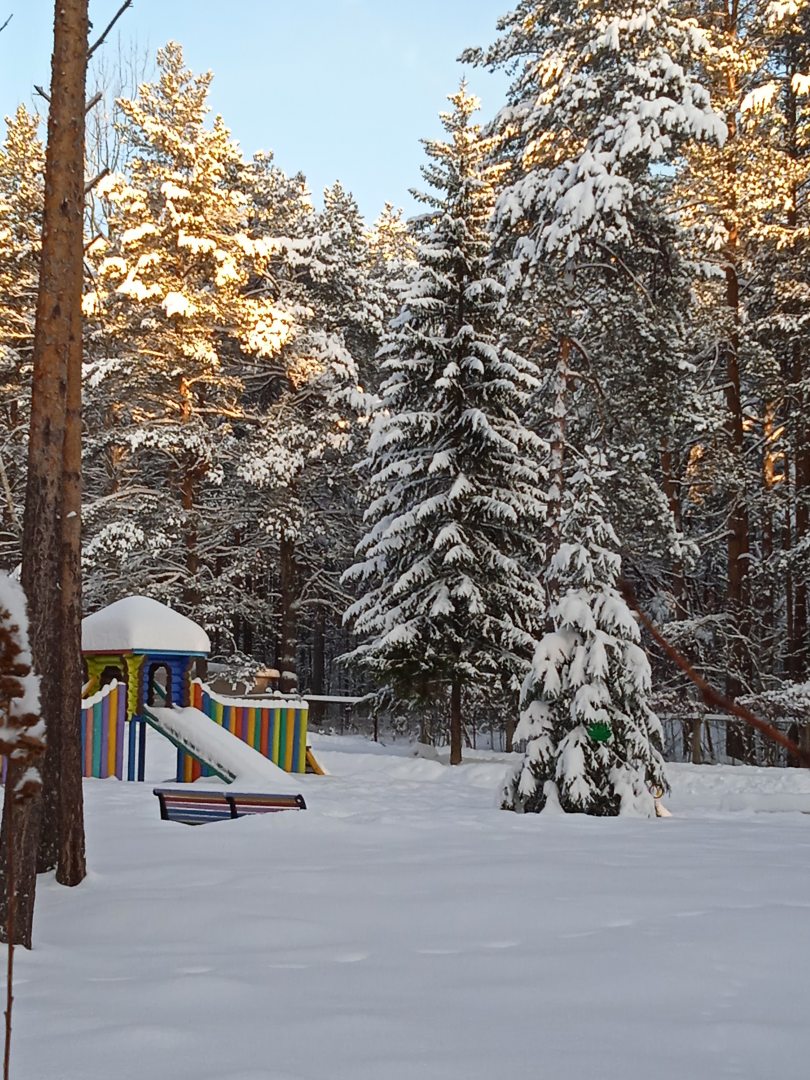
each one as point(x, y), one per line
point(447, 569)
point(604, 91)
point(593, 745)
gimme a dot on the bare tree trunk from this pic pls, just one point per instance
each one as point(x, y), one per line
point(738, 525)
point(191, 592)
point(509, 733)
point(801, 639)
point(70, 854)
point(455, 722)
point(559, 423)
point(21, 826)
point(695, 740)
point(672, 492)
point(52, 523)
point(316, 709)
point(288, 646)
point(738, 742)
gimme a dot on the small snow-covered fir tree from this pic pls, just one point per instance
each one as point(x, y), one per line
point(593, 744)
point(448, 563)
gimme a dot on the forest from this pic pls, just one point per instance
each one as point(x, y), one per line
point(370, 454)
point(446, 570)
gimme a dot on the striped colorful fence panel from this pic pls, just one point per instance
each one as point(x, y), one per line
point(103, 724)
point(104, 735)
point(277, 728)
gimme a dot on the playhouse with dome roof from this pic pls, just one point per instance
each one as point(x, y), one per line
point(144, 664)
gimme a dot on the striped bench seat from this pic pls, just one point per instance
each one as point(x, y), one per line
point(197, 806)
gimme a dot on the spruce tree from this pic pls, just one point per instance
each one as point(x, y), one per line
point(593, 744)
point(447, 568)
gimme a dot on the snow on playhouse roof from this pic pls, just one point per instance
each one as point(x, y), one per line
point(140, 624)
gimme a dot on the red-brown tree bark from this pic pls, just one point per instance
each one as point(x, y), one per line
point(52, 827)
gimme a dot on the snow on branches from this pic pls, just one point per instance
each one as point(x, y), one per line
point(22, 732)
point(593, 744)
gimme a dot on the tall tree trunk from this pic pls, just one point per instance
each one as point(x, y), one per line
point(70, 854)
point(288, 645)
point(738, 524)
point(559, 424)
point(191, 591)
point(509, 733)
point(455, 722)
point(51, 525)
point(188, 483)
point(738, 744)
point(801, 457)
point(673, 494)
point(770, 478)
point(798, 649)
point(316, 709)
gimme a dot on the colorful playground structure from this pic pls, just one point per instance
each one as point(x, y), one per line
point(141, 658)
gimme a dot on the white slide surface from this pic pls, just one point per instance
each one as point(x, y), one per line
point(223, 752)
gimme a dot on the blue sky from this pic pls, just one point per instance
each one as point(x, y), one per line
point(341, 89)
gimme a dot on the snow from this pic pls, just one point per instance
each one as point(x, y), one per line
point(142, 624)
point(404, 928)
point(219, 748)
point(270, 699)
point(12, 600)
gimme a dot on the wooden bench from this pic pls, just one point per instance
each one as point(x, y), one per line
point(197, 807)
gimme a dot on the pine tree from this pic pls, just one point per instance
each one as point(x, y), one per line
point(391, 250)
point(341, 280)
point(448, 563)
point(294, 466)
point(178, 324)
point(593, 744)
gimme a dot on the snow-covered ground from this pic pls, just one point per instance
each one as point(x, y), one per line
point(404, 929)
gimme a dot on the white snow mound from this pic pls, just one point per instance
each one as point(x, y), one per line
point(142, 624)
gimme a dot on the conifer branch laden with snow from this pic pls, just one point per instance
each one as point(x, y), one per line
point(22, 732)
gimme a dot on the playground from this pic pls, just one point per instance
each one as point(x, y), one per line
point(402, 928)
point(141, 661)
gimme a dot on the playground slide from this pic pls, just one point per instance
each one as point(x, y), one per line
point(225, 754)
point(313, 765)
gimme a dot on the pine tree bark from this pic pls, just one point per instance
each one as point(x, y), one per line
point(673, 494)
point(288, 589)
point(801, 442)
point(559, 425)
point(316, 709)
point(738, 524)
point(455, 722)
point(801, 639)
point(49, 831)
point(509, 733)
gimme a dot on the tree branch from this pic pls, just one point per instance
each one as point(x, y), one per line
point(708, 692)
point(94, 100)
point(96, 180)
point(42, 93)
point(108, 28)
point(5, 24)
